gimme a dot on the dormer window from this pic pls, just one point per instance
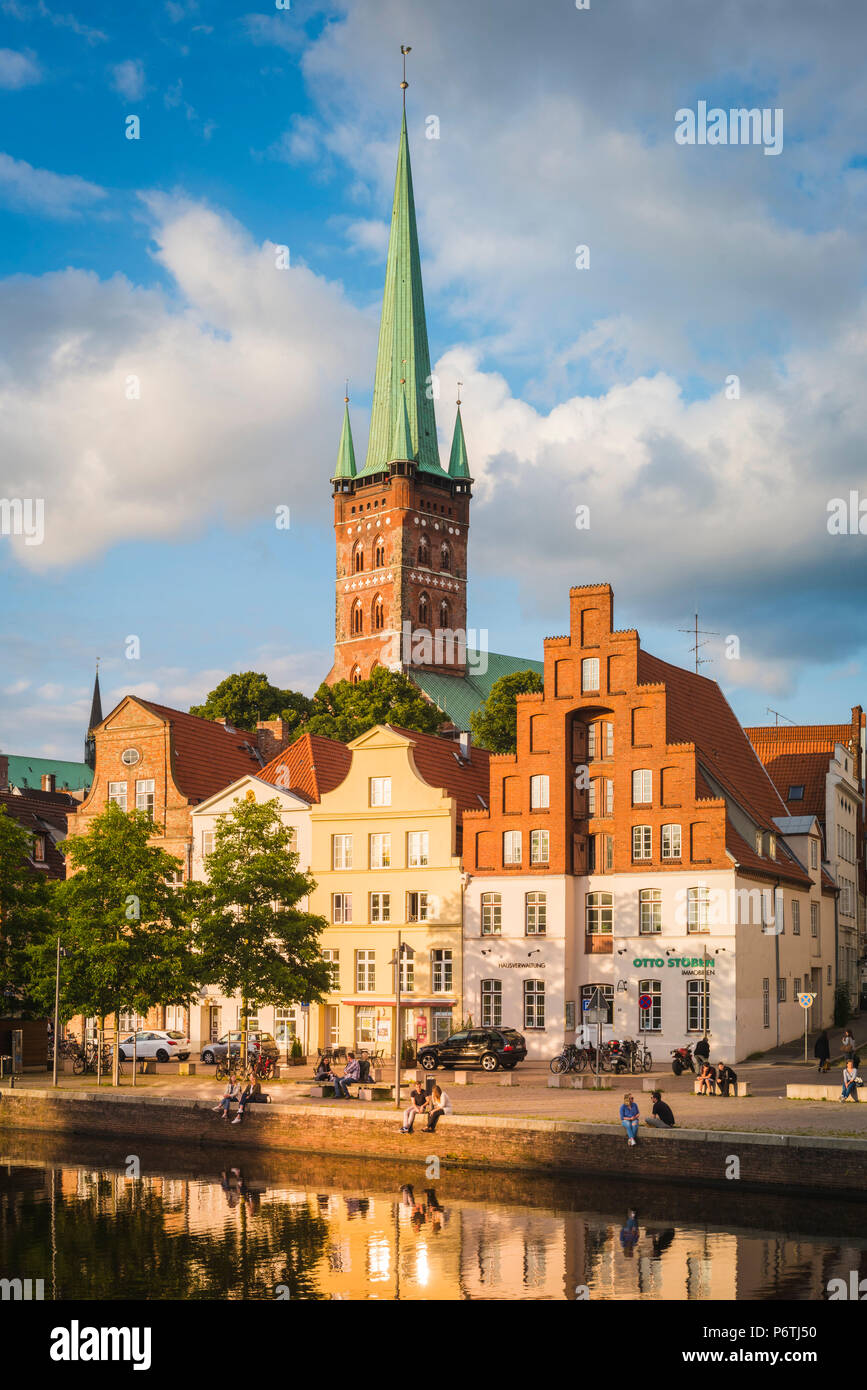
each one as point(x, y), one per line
point(39, 849)
point(796, 793)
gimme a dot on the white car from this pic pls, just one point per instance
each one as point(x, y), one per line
point(165, 1045)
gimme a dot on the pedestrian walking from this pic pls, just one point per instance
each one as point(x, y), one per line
point(701, 1051)
point(630, 1119)
point(662, 1115)
point(851, 1081)
point(822, 1051)
point(847, 1043)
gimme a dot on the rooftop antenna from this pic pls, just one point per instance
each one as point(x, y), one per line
point(696, 632)
point(404, 48)
point(777, 715)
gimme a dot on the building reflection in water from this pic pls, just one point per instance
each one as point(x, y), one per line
point(97, 1233)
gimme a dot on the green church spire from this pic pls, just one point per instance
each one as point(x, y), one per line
point(403, 351)
point(401, 440)
point(346, 453)
point(458, 463)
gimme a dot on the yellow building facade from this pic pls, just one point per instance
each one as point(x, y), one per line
point(386, 861)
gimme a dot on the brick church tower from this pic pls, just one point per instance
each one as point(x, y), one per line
point(401, 522)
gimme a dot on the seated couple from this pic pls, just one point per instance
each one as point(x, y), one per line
point(434, 1106)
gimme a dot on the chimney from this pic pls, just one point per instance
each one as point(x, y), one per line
point(4, 772)
point(464, 744)
point(272, 736)
point(48, 781)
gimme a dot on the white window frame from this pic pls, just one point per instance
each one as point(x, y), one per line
point(145, 795)
point(379, 790)
point(491, 914)
point(697, 999)
point(379, 851)
point(590, 674)
point(365, 971)
point(341, 852)
point(540, 792)
point(441, 971)
point(512, 848)
point(534, 1005)
point(117, 794)
point(650, 1020)
point(649, 909)
point(417, 849)
point(609, 796)
point(642, 786)
point(341, 908)
point(539, 846)
point(380, 907)
point(796, 917)
point(536, 914)
point(417, 912)
point(332, 955)
point(672, 842)
point(698, 909)
point(642, 843)
point(492, 1003)
point(599, 914)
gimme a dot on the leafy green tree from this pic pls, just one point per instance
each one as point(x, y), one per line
point(495, 723)
point(249, 696)
point(26, 916)
point(252, 939)
point(126, 932)
point(344, 711)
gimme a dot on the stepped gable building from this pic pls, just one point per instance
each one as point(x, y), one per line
point(819, 770)
point(401, 522)
point(636, 837)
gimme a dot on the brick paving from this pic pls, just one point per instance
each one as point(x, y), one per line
point(766, 1111)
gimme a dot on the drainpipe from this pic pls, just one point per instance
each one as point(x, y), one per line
point(777, 959)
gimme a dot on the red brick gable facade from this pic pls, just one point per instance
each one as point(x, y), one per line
point(610, 709)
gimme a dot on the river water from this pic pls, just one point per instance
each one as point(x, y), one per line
point(94, 1222)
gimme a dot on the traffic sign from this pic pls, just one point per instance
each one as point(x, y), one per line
point(805, 1000)
point(595, 1015)
point(645, 1001)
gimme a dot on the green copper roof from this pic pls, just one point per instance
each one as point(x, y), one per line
point(403, 347)
point(26, 772)
point(346, 453)
point(459, 696)
point(458, 465)
point(401, 443)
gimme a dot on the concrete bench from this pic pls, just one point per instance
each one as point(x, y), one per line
point(186, 1068)
point(364, 1092)
point(814, 1090)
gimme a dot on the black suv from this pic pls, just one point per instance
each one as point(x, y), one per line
point(489, 1048)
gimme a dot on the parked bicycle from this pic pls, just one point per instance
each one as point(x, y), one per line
point(87, 1059)
point(572, 1058)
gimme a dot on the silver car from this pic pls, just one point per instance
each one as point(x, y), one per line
point(163, 1044)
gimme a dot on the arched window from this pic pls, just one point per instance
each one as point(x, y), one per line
point(424, 551)
point(355, 676)
point(378, 553)
point(445, 556)
point(358, 558)
point(378, 613)
point(357, 618)
point(444, 615)
point(424, 610)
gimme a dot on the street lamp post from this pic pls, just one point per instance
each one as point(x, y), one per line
point(60, 952)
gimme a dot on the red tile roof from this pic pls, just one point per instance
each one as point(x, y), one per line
point(41, 817)
point(805, 769)
point(206, 756)
point(439, 762)
point(698, 712)
point(309, 767)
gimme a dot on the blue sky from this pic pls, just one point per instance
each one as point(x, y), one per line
point(154, 258)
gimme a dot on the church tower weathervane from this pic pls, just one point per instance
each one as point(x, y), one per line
point(401, 521)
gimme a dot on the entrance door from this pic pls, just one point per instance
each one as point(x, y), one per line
point(332, 1025)
point(213, 1023)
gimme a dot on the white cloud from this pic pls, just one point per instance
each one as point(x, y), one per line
point(128, 79)
point(44, 192)
point(18, 70)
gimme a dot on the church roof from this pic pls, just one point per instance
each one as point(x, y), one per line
point(346, 453)
point(458, 464)
point(403, 351)
point(26, 773)
point(460, 696)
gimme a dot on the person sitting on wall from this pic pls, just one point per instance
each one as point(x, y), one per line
point(707, 1077)
point(851, 1081)
point(662, 1116)
point(440, 1105)
point(231, 1094)
point(323, 1070)
point(726, 1078)
point(417, 1105)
